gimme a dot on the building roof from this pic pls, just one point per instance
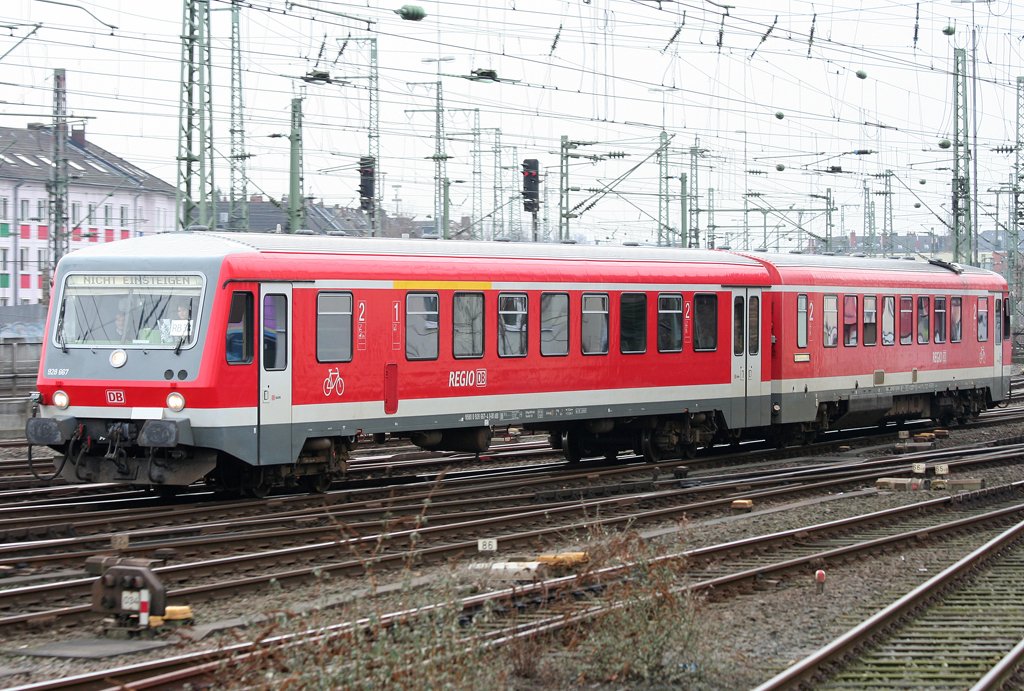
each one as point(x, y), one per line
point(27, 154)
point(267, 216)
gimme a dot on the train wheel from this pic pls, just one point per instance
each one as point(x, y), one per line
point(257, 491)
point(317, 484)
point(651, 453)
point(168, 491)
point(571, 446)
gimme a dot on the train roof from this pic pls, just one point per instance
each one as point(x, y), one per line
point(808, 269)
point(193, 243)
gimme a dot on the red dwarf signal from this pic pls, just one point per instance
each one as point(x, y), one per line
point(531, 185)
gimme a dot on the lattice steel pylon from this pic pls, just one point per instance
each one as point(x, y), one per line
point(963, 236)
point(664, 231)
point(57, 186)
point(694, 231)
point(238, 201)
point(1013, 264)
point(196, 193)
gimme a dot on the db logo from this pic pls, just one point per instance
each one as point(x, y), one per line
point(115, 397)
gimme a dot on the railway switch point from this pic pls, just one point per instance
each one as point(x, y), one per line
point(744, 505)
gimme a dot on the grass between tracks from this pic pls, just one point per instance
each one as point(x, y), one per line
point(653, 638)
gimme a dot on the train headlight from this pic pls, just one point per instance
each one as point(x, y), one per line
point(61, 400)
point(118, 358)
point(175, 401)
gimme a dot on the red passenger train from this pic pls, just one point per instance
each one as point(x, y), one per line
point(249, 361)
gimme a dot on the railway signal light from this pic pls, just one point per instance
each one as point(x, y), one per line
point(531, 185)
point(366, 175)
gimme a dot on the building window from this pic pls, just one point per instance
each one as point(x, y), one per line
point(41, 258)
point(91, 218)
point(108, 215)
point(3, 208)
point(23, 211)
point(124, 215)
point(41, 211)
point(76, 212)
point(3, 259)
point(22, 258)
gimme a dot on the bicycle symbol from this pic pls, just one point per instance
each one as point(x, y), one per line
point(334, 383)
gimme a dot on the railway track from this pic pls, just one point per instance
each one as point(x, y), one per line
point(960, 629)
point(347, 546)
point(529, 610)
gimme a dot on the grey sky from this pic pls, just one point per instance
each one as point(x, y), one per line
point(594, 71)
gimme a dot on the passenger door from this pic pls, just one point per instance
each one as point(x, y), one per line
point(275, 408)
point(750, 394)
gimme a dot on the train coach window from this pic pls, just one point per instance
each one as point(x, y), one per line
point(737, 325)
point(670, 323)
point(906, 320)
point(275, 332)
point(554, 324)
point(924, 334)
point(594, 327)
point(238, 340)
point(830, 321)
point(705, 322)
point(870, 320)
point(334, 327)
point(982, 319)
point(998, 319)
point(753, 325)
point(955, 319)
point(512, 325)
point(468, 325)
point(421, 326)
point(633, 323)
point(1006, 319)
point(801, 320)
point(940, 320)
point(888, 320)
point(850, 320)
